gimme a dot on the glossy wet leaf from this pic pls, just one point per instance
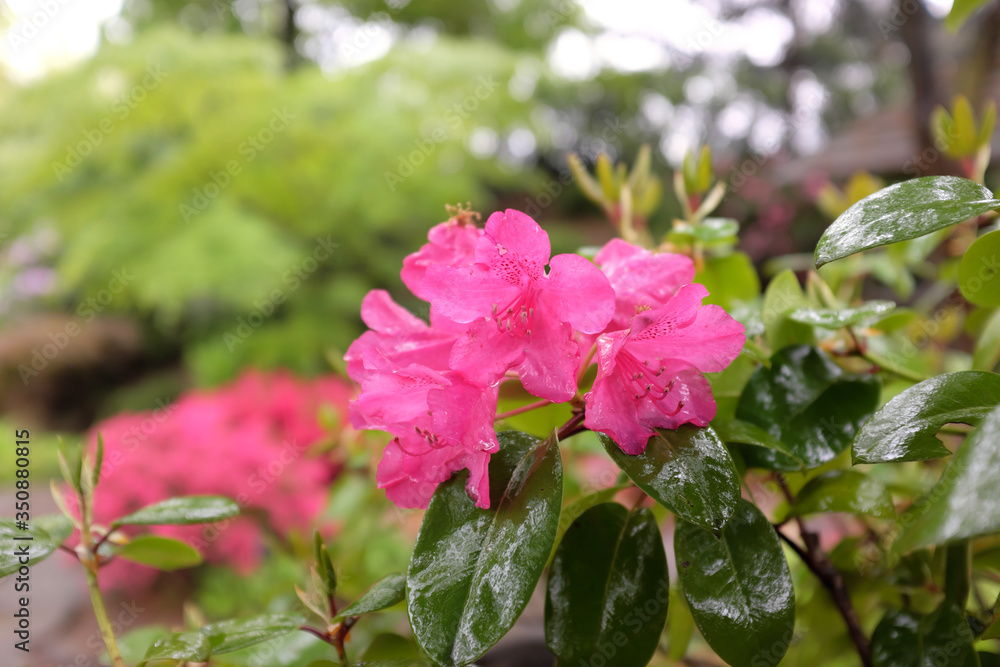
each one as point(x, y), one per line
point(837, 318)
point(965, 502)
point(688, 471)
point(904, 428)
point(903, 211)
point(235, 634)
point(160, 552)
point(572, 511)
point(182, 511)
point(384, 593)
point(46, 533)
point(979, 271)
point(473, 570)
point(844, 491)
point(744, 433)
point(895, 642)
point(187, 646)
point(942, 638)
point(608, 589)
point(738, 587)
point(783, 296)
point(809, 404)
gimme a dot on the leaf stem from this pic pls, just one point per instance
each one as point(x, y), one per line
point(102, 617)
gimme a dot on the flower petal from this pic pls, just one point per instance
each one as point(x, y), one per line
point(578, 293)
point(513, 232)
point(551, 360)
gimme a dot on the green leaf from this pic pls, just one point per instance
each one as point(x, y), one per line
point(324, 566)
point(46, 533)
point(844, 491)
point(609, 564)
point(904, 428)
point(235, 634)
point(965, 502)
point(903, 211)
point(709, 230)
point(809, 404)
point(680, 625)
point(688, 471)
point(389, 646)
point(182, 511)
point(163, 553)
point(729, 279)
point(384, 593)
point(71, 465)
point(987, 351)
point(783, 296)
point(473, 570)
point(187, 646)
point(836, 318)
point(745, 433)
point(98, 461)
point(895, 642)
point(572, 511)
point(738, 587)
point(943, 638)
point(979, 271)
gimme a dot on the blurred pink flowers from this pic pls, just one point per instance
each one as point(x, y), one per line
point(249, 441)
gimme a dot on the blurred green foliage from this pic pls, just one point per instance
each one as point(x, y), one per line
point(217, 190)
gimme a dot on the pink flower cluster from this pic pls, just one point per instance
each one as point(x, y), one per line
point(249, 441)
point(497, 313)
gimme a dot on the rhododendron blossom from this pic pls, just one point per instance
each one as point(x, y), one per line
point(451, 243)
point(249, 441)
point(498, 315)
point(521, 317)
point(650, 375)
point(641, 278)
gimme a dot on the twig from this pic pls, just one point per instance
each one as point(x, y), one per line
point(573, 426)
point(819, 563)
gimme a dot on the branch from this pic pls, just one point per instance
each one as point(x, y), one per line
point(819, 563)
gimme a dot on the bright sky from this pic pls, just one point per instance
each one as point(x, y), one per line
point(41, 35)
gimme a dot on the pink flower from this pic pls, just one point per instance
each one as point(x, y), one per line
point(249, 441)
point(650, 375)
point(641, 278)
point(442, 424)
point(457, 433)
point(451, 243)
point(519, 316)
point(399, 337)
